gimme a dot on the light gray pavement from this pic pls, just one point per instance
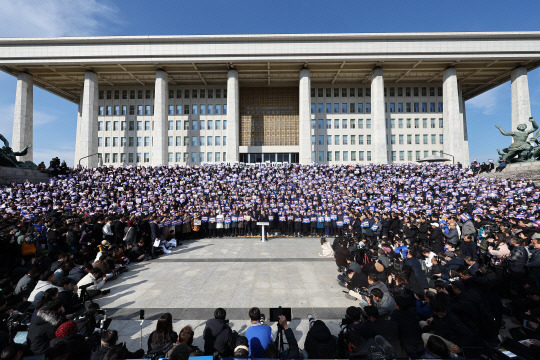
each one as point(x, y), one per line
point(233, 273)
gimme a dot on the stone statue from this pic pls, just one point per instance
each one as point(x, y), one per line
point(520, 146)
point(8, 157)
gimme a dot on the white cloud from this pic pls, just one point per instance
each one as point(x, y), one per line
point(488, 102)
point(49, 18)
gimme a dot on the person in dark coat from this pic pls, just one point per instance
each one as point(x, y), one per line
point(341, 256)
point(218, 335)
point(409, 331)
point(468, 247)
point(110, 350)
point(448, 326)
point(416, 266)
point(320, 344)
point(436, 239)
point(388, 329)
point(42, 329)
point(517, 260)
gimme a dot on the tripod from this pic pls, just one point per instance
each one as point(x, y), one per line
point(280, 343)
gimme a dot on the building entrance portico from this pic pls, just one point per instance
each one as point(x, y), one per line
point(271, 157)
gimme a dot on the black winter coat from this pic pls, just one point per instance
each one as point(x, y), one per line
point(518, 259)
point(320, 344)
point(219, 337)
point(42, 330)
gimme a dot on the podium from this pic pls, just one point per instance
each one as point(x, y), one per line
point(262, 224)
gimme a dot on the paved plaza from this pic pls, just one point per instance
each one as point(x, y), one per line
point(233, 273)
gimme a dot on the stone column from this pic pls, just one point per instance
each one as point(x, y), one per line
point(379, 151)
point(453, 135)
point(233, 117)
point(160, 130)
point(521, 104)
point(77, 135)
point(463, 119)
point(304, 118)
point(87, 132)
point(23, 118)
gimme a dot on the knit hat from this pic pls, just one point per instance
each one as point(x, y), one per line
point(66, 329)
point(379, 267)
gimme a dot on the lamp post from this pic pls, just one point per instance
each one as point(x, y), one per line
point(451, 156)
point(84, 157)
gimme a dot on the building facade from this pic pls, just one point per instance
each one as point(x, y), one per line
point(323, 98)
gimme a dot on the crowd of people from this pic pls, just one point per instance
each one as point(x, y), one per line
point(414, 244)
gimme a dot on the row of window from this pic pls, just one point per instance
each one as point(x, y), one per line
point(391, 91)
point(117, 110)
point(344, 108)
point(172, 157)
point(344, 139)
point(171, 141)
point(149, 125)
point(351, 123)
point(173, 93)
point(322, 156)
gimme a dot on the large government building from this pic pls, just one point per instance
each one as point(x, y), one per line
point(323, 98)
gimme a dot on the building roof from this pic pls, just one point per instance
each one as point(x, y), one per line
point(483, 60)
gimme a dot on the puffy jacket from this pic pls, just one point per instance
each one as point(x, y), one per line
point(218, 336)
point(518, 259)
point(468, 228)
point(320, 344)
point(42, 330)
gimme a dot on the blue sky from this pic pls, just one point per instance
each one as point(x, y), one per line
point(55, 119)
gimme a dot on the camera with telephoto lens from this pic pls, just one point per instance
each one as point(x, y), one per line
point(311, 320)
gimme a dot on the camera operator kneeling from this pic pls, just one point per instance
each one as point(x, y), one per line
point(352, 322)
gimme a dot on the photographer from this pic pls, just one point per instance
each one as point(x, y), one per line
point(92, 282)
point(218, 336)
point(352, 324)
point(320, 344)
point(258, 334)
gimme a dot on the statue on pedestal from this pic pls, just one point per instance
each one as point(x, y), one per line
point(8, 157)
point(520, 147)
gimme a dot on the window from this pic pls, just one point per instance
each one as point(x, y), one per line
point(360, 108)
point(107, 126)
point(392, 123)
point(147, 125)
point(115, 126)
point(131, 109)
point(416, 107)
point(178, 141)
point(408, 123)
point(124, 109)
point(218, 93)
point(441, 139)
point(100, 96)
point(368, 123)
point(328, 109)
point(139, 157)
point(218, 156)
point(186, 109)
point(431, 91)
point(393, 154)
point(361, 92)
point(433, 139)
point(344, 108)
point(336, 108)
point(328, 156)
point(392, 139)
point(107, 157)
point(336, 124)
point(201, 141)
point(194, 125)
point(186, 140)
point(368, 155)
point(194, 109)
point(368, 108)
point(131, 141)
point(360, 123)
point(353, 124)
point(139, 109)
point(328, 139)
point(194, 141)
point(402, 155)
point(417, 155)
point(146, 157)
point(130, 157)
point(171, 109)
point(203, 109)
point(361, 140)
point(368, 92)
point(313, 108)
point(368, 139)
point(115, 141)
point(146, 141)
point(148, 110)
point(99, 141)
point(424, 107)
point(218, 140)
point(139, 141)
point(321, 140)
point(361, 155)
point(345, 140)
point(424, 123)
point(433, 123)
point(439, 107)
point(313, 139)
point(201, 125)
point(408, 107)
point(320, 124)
point(170, 141)
point(409, 139)
point(336, 92)
point(400, 139)
point(178, 157)
point(343, 92)
point(440, 123)
point(178, 109)
point(320, 108)
point(345, 156)
point(313, 124)
point(100, 125)
point(148, 94)
point(392, 107)
point(320, 92)
point(351, 92)
point(108, 110)
point(328, 123)
point(210, 140)
point(344, 123)
point(170, 125)
point(352, 107)
point(218, 124)
point(417, 139)
point(353, 155)
point(392, 91)
point(432, 107)
point(416, 123)
point(202, 93)
point(424, 91)
point(186, 125)
point(107, 141)
point(209, 157)
point(321, 156)
point(425, 139)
